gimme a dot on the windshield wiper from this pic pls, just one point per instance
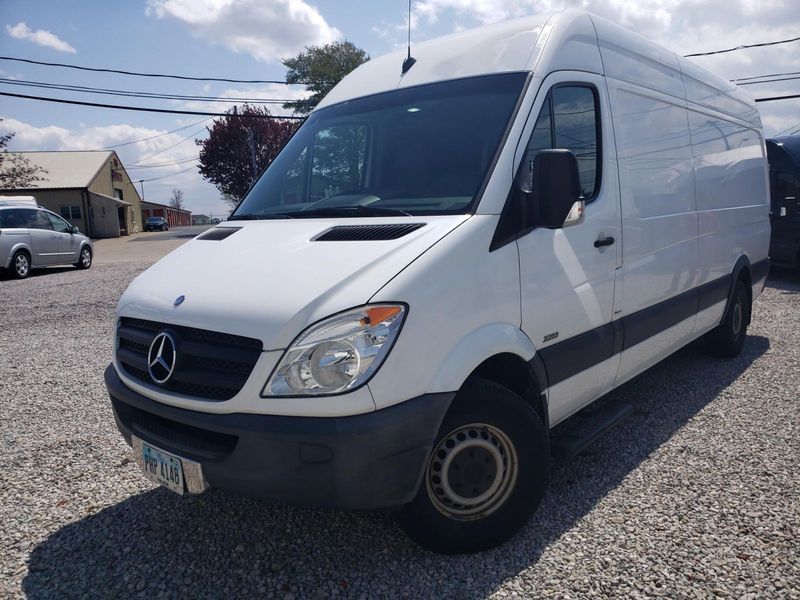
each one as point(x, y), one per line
point(351, 211)
point(252, 217)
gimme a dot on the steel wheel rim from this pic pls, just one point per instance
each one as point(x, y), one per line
point(86, 257)
point(472, 471)
point(737, 317)
point(21, 265)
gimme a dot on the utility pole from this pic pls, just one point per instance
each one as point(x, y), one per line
point(141, 184)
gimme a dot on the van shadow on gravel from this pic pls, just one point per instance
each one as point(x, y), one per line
point(217, 545)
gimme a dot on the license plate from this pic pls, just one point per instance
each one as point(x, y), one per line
point(162, 468)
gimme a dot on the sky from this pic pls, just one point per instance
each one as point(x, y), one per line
point(246, 39)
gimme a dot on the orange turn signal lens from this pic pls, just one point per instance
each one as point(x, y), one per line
point(379, 313)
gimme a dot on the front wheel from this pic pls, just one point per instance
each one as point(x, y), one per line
point(84, 258)
point(487, 473)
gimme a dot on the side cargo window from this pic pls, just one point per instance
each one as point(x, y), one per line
point(569, 120)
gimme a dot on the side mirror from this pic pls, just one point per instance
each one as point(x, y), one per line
point(74, 229)
point(553, 190)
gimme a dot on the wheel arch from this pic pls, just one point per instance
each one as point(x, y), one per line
point(16, 248)
point(524, 378)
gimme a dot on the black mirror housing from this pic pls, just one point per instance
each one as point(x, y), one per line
point(555, 188)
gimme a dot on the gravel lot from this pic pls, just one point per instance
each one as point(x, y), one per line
point(694, 495)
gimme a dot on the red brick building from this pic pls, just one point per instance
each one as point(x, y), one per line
point(174, 216)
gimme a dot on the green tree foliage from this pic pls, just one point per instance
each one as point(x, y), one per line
point(239, 146)
point(320, 68)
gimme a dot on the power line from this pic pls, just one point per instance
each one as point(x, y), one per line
point(768, 80)
point(762, 76)
point(165, 164)
point(138, 74)
point(152, 137)
point(145, 109)
point(163, 176)
point(777, 98)
point(742, 47)
point(790, 130)
point(178, 143)
point(135, 94)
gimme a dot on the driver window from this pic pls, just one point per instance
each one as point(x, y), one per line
point(59, 225)
point(339, 161)
point(568, 120)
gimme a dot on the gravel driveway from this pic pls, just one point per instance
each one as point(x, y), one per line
point(695, 495)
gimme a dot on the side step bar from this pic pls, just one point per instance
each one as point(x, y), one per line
point(585, 428)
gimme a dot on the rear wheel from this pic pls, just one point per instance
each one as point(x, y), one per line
point(727, 339)
point(21, 264)
point(84, 258)
point(486, 475)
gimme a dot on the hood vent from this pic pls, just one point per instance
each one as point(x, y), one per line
point(363, 233)
point(218, 233)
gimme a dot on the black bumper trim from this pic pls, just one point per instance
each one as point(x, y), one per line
point(368, 461)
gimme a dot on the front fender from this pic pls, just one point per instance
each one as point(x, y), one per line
point(476, 347)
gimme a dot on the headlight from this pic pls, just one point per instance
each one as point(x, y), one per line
point(337, 354)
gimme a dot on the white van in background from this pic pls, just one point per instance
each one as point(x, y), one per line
point(440, 266)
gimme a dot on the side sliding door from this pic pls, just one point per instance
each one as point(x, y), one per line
point(658, 301)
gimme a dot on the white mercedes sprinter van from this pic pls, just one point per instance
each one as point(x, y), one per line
point(440, 266)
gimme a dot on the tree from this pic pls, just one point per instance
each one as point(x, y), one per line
point(320, 68)
point(16, 171)
point(239, 146)
point(230, 201)
point(176, 200)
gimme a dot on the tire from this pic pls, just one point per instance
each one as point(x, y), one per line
point(164, 228)
point(21, 264)
point(727, 339)
point(489, 431)
point(84, 258)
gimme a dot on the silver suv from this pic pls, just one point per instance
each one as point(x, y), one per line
point(32, 237)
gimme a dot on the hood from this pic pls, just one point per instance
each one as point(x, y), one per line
point(271, 279)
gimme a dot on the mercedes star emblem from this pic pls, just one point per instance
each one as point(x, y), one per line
point(161, 357)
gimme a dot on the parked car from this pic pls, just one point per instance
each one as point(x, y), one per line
point(32, 237)
point(156, 224)
point(784, 176)
point(486, 241)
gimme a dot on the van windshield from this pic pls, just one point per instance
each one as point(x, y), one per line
point(416, 151)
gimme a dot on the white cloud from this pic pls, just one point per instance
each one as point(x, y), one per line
point(267, 31)
point(21, 31)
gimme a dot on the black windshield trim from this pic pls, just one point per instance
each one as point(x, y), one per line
point(466, 209)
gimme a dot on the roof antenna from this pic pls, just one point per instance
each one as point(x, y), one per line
point(409, 62)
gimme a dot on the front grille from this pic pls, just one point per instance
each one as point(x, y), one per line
point(209, 364)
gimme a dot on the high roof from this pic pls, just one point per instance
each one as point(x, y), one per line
point(66, 169)
point(568, 40)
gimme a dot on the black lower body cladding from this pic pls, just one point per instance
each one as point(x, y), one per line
point(368, 461)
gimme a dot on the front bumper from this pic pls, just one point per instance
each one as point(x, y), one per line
point(368, 461)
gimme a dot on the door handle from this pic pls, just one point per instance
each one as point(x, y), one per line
point(607, 241)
